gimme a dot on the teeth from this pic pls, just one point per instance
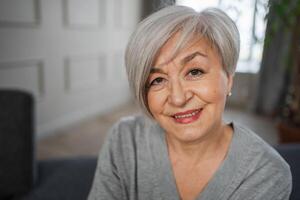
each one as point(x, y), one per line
point(186, 115)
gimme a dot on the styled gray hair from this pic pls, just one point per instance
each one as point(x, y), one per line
point(154, 31)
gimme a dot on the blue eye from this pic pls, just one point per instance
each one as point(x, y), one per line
point(195, 72)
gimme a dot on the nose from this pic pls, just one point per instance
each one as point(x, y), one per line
point(179, 95)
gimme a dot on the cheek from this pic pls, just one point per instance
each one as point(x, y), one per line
point(155, 101)
point(213, 90)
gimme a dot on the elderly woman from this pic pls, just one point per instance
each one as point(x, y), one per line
point(180, 66)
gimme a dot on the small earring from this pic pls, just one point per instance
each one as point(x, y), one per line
point(229, 94)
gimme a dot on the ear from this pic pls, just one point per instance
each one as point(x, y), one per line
point(230, 82)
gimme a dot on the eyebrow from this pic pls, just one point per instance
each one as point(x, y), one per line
point(182, 62)
point(156, 70)
point(191, 57)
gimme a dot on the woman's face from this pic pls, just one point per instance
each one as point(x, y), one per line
point(187, 94)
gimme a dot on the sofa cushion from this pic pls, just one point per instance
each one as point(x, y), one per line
point(66, 179)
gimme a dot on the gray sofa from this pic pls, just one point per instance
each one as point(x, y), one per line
point(69, 179)
point(22, 177)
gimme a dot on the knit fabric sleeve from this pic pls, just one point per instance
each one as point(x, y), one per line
point(107, 182)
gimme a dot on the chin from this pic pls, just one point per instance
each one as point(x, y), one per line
point(187, 135)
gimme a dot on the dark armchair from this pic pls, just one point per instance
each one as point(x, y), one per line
point(17, 166)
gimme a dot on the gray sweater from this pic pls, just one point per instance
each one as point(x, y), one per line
point(134, 164)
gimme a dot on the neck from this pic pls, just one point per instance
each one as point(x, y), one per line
point(214, 143)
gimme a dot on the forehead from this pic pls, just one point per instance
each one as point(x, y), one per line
point(177, 48)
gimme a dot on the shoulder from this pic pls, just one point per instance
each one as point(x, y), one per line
point(131, 122)
point(258, 146)
point(261, 158)
point(116, 161)
point(121, 143)
point(129, 127)
point(128, 134)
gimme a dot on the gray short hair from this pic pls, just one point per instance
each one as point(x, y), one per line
point(154, 31)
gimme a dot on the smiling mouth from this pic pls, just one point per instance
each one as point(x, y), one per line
point(187, 116)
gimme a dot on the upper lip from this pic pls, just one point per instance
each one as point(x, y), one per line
point(186, 112)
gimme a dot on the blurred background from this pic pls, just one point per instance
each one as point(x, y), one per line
point(69, 54)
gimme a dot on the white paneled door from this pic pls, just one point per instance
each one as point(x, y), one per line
point(68, 54)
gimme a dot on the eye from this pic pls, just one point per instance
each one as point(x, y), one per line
point(195, 72)
point(157, 81)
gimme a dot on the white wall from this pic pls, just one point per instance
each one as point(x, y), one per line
point(68, 53)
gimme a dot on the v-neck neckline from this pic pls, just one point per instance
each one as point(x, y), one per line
point(220, 182)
